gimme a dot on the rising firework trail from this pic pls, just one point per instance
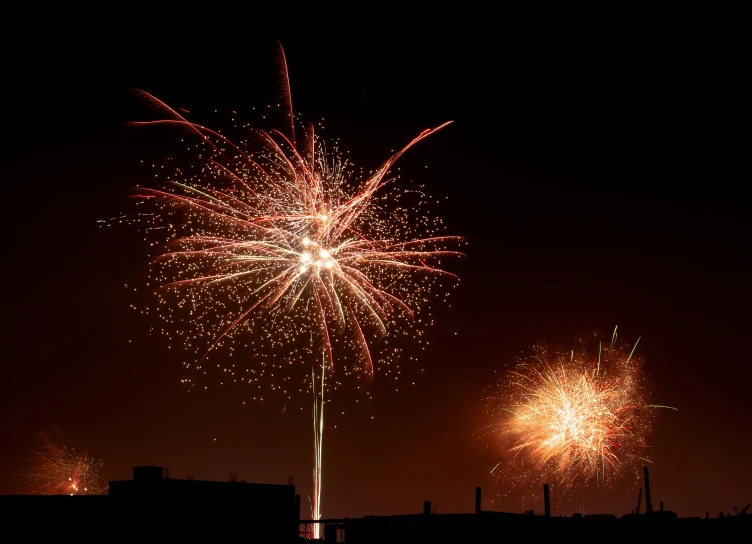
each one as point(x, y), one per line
point(274, 244)
point(574, 416)
point(56, 470)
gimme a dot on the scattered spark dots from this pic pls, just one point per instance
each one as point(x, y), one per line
point(287, 250)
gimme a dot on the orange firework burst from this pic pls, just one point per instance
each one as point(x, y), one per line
point(576, 416)
point(278, 246)
point(56, 470)
point(270, 244)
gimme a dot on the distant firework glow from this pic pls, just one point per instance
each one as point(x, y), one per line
point(572, 417)
point(56, 470)
point(278, 248)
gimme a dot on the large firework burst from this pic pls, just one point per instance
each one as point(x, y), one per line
point(281, 247)
point(576, 416)
point(58, 470)
point(270, 245)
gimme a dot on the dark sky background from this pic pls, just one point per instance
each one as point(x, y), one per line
point(599, 175)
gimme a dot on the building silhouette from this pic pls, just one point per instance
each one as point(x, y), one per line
point(155, 506)
point(486, 527)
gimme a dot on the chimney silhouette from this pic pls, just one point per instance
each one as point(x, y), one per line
point(546, 501)
point(477, 500)
point(426, 507)
point(648, 504)
point(639, 501)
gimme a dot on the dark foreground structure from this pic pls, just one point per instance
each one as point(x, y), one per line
point(654, 525)
point(491, 527)
point(154, 506)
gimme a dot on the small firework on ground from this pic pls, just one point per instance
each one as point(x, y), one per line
point(56, 470)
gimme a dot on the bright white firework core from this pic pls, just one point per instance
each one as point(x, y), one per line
point(319, 256)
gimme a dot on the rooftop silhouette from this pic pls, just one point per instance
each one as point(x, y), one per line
point(154, 504)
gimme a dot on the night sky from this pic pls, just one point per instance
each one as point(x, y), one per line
point(599, 177)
